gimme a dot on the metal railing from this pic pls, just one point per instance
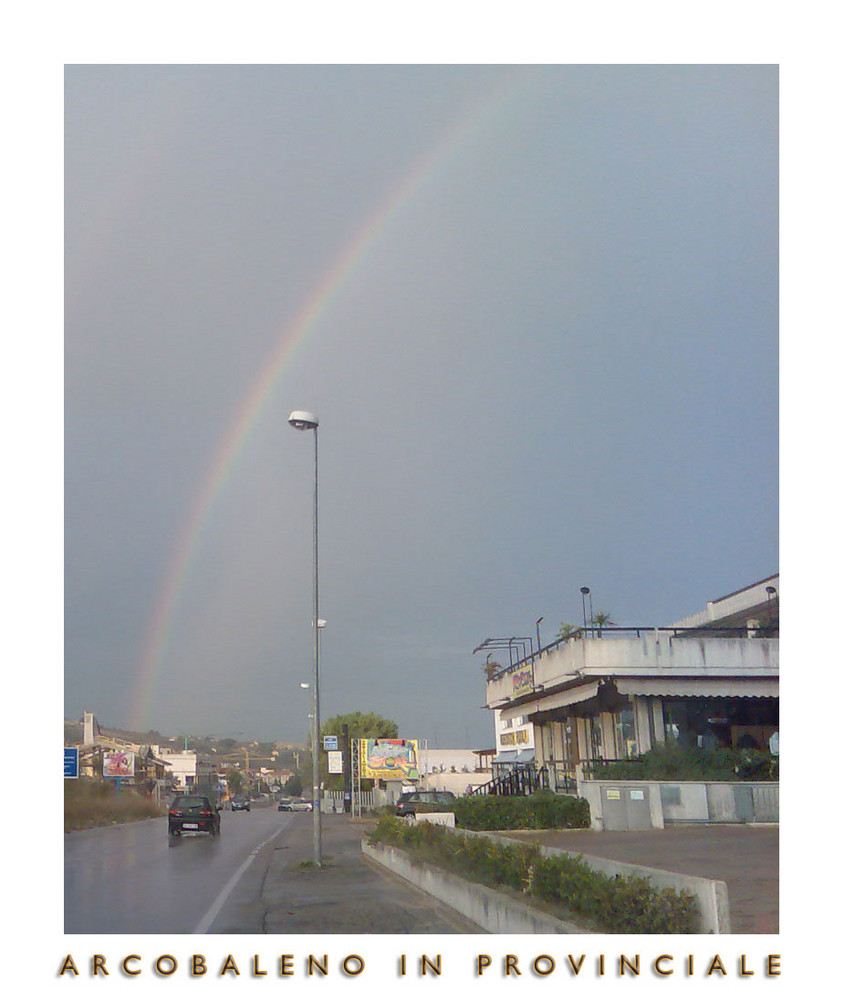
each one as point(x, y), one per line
point(601, 631)
point(515, 781)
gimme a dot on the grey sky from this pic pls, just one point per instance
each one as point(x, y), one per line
point(554, 365)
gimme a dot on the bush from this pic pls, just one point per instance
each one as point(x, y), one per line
point(670, 762)
point(615, 905)
point(542, 811)
point(98, 803)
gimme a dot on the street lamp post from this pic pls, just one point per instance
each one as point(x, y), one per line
point(584, 592)
point(303, 421)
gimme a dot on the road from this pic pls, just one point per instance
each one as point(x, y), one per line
point(132, 878)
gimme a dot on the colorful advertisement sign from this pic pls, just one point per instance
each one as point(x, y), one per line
point(392, 760)
point(118, 764)
point(523, 681)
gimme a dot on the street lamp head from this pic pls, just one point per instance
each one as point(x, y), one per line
point(301, 420)
point(303, 685)
point(585, 590)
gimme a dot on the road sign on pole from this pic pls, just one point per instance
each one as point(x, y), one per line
point(330, 743)
point(71, 762)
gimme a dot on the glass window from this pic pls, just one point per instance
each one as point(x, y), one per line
point(596, 741)
point(626, 739)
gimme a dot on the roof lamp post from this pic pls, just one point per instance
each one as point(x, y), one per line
point(584, 592)
point(301, 420)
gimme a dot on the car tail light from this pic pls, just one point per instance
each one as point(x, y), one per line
point(205, 812)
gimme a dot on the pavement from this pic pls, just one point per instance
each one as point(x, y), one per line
point(349, 894)
point(745, 857)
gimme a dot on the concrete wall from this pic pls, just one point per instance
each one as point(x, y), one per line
point(501, 914)
point(654, 652)
point(615, 805)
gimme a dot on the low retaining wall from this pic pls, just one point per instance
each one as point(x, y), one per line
point(491, 910)
point(710, 894)
point(652, 805)
point(499, 914)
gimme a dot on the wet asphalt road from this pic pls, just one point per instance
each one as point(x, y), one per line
point(133, 878)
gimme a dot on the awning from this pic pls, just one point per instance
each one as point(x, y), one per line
point(550, 702)
point(703, 687)
point(514, 757)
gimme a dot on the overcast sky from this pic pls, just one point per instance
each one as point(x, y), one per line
point(535, 309)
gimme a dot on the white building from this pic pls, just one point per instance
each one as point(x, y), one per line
point(451, 770)
point(187, 769)
point(607, 693)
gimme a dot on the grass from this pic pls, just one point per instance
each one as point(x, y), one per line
point(90, 804)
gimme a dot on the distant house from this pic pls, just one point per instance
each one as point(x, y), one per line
point(187, 769)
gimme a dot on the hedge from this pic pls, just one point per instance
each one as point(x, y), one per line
point(615, 905)
point(541, 811)
point(669, 762)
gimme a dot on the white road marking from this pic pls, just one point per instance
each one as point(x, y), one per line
point(209, 918)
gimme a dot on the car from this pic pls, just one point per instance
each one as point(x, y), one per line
point(422, 800)
point(240, 802)
point(285, 805)
point(193, 814)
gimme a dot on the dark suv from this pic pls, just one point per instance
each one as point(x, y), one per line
point(410, 803)
point(193, 813)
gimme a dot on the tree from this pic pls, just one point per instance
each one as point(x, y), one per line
point(601, 619)
point(565, 630)
point(234, 780)
point(362, 726)
point(293, 786)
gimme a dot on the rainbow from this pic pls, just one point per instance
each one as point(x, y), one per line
point(494, 101)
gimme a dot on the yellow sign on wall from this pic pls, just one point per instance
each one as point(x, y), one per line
point(523, 681)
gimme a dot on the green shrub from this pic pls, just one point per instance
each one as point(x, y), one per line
point(542, 811)
point(614, 905)
point(670, 762)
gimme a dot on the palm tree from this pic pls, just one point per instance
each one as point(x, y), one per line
point(601, 619)
point(565, 630)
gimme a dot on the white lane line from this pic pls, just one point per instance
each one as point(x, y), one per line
point(206, 922)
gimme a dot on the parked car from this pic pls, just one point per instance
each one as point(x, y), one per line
point(193, 813)
point(421, 800)
point(240, 802)
point(285, 805)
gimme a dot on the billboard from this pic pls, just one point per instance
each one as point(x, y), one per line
point(118, 764)
point(523, 681)
point(391, 760)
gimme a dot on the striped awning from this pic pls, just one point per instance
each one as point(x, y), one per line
point(700, 687)
point(550, 702)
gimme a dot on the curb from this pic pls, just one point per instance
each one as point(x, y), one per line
point(710, 894)
point(492, 911)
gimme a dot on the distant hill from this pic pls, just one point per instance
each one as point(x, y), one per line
point(205, 744)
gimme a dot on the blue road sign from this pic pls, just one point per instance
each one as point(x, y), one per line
point(71, 762)
point(330, 743)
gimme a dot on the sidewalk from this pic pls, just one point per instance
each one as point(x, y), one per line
point(746, 858)
point(348, 895)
